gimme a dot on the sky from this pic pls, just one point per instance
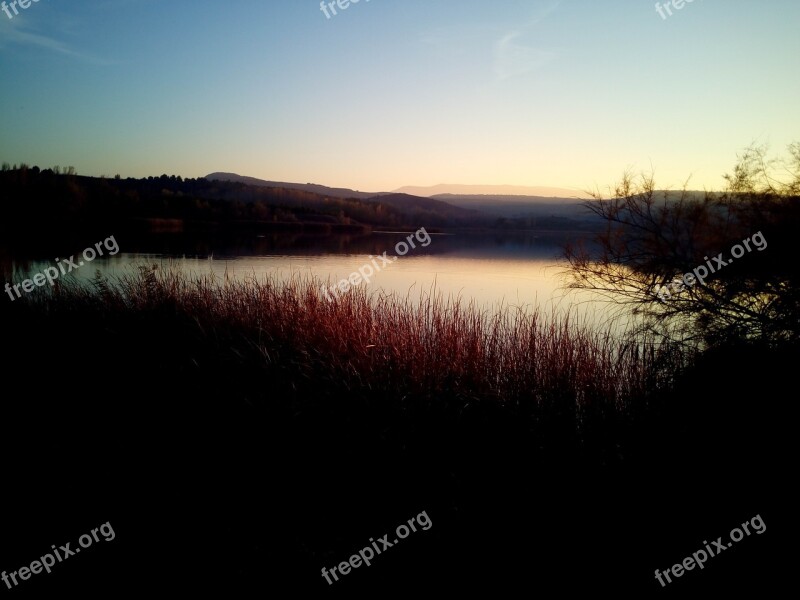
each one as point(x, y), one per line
point(389, 93)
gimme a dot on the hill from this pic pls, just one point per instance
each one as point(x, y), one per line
point(492, 190)
point(46, 204)
point(307, 187)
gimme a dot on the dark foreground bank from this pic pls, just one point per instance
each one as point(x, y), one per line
point(242, 442)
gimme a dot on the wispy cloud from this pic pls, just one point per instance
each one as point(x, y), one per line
point(13, 32)
point(512, 56)
point(509, 51)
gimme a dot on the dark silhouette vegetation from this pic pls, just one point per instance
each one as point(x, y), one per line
point(652, 239)
point(41, 203)
point(240, 435)
point(245, 435)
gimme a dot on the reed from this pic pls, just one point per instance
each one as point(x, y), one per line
point(426, 347)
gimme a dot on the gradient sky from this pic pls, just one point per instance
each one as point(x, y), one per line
point(399, 92)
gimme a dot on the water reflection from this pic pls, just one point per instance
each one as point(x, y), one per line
point(489, 269)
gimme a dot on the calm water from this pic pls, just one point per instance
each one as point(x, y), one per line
point(491, 270)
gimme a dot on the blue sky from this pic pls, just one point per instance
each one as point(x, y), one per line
point(399, 92)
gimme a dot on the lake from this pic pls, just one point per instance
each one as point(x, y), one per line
point(504, 269)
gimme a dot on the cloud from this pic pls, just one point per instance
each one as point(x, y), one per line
point(12, 32)
point(511, 57)
point(504, 50)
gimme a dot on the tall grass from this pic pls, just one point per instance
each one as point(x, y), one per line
point(425, 348)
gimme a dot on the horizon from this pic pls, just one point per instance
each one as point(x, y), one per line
point(408, 190)
point(385, 95)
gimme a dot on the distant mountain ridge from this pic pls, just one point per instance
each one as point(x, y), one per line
point(506, 192)
point(473, 201)
point(306, 187)
point(455, 204)
point(492, 190)
point(436, 210)
point(418, 203)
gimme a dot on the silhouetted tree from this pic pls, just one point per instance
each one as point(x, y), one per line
point(666, 255)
